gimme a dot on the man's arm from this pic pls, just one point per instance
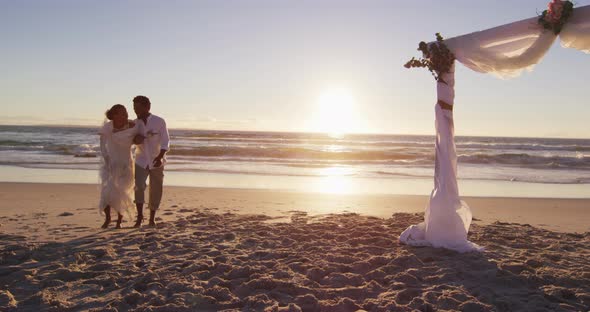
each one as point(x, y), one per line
point(164, 144)
point(158, 159)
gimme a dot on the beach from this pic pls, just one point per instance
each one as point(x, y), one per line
point(268, 250)
point(24, 205)
point(294, 161)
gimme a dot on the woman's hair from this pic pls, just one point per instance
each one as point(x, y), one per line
point(113, 110)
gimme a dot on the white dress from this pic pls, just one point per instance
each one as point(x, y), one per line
point(117, 169)
point(447, 217)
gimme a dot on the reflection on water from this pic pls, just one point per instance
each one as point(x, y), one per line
point(333, 185)
point(334, 180)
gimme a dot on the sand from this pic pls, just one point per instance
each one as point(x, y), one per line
point(247, 250)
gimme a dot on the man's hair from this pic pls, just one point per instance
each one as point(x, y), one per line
point(143, 100)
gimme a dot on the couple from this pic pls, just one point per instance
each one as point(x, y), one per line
point(118, 173)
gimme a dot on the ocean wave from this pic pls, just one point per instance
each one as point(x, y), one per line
point(319, 155)
point(385, 142)
point(527, 160)
point(15, 143)
point(83, 150)
point(524, 147)
point(270, 153)
point(304, 141)
point(296, 153)
point(409, 157)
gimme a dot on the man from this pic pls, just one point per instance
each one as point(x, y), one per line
point(149, 158)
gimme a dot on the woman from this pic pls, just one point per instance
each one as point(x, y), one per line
point(116, 172)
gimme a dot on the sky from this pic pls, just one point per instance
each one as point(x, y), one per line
point(276, 65)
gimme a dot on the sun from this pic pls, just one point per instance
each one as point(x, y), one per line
point(335, 113)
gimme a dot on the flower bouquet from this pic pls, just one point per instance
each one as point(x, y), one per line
point(556, 15)
point(437, 58)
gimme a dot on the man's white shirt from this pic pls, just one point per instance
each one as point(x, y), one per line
point(156, 139)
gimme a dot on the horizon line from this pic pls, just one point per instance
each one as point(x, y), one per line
point(299, 132)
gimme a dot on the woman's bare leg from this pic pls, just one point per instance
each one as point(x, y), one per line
point(107, 219)
point(119, 219)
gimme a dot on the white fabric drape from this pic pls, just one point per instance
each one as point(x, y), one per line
point(576, 32)
point(447, 217)
point(505, 51)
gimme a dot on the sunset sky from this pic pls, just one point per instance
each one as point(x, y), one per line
point(305, 65)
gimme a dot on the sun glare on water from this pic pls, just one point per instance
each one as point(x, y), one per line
point(335, 115)
point(334, 180)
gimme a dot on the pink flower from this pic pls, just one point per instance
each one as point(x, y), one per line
point(554, 11)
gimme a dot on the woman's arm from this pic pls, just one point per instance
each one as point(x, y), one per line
point(103, 148)
point(103, 132)
point(141, 133)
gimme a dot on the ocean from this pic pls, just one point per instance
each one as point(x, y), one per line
point(378, 158)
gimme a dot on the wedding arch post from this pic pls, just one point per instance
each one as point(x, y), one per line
point(504, 51)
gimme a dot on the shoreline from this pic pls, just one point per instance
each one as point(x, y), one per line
point(335, 184)
point(32, 210)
